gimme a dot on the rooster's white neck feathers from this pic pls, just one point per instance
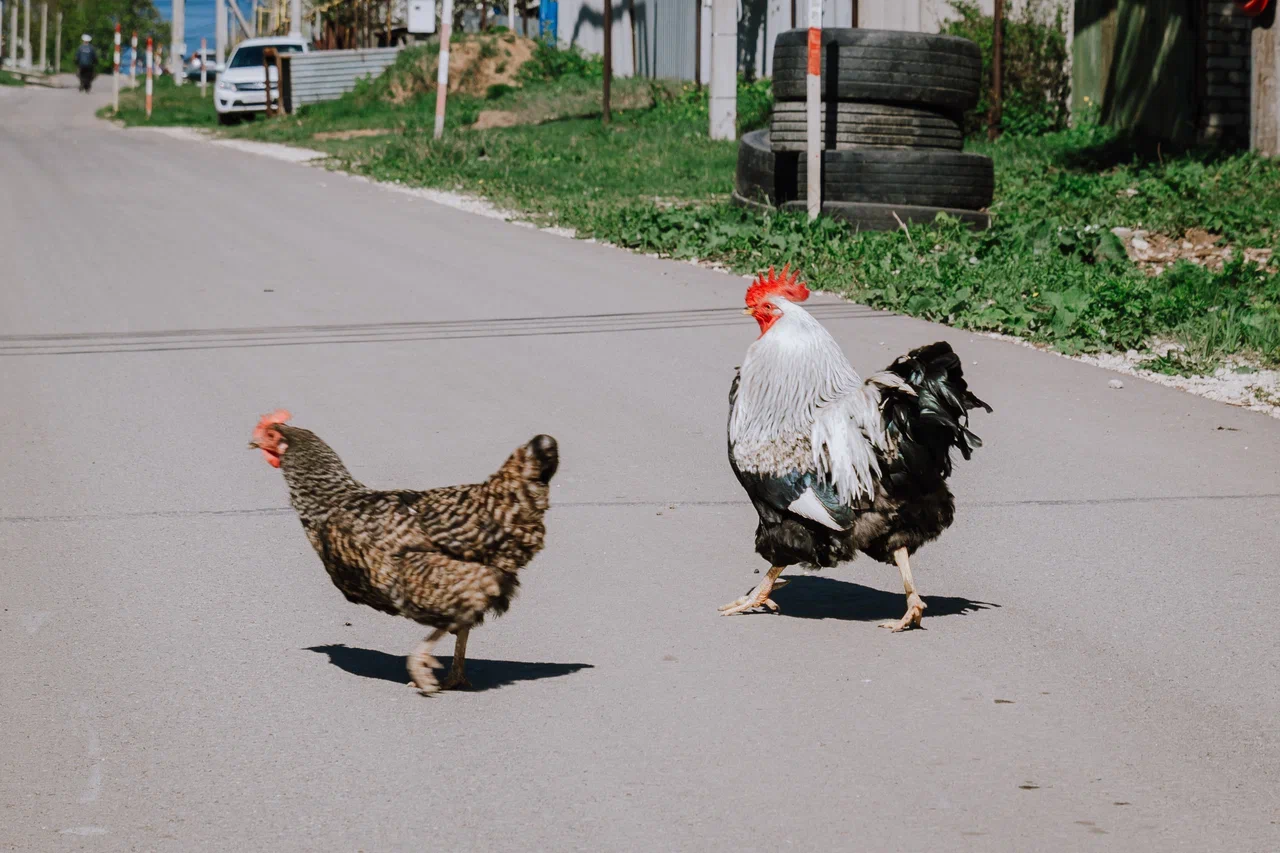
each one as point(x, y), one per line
point(802, 407)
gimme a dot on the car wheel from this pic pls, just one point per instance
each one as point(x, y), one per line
point(228, 119)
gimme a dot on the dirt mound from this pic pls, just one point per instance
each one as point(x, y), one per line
point(475, 63)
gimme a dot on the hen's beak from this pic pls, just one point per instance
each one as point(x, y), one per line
point(253, 445)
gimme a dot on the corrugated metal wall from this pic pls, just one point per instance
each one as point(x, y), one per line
point(324, 75)
point(665, 29)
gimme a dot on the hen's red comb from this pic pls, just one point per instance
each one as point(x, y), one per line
point(279, 416)
point(787, 284)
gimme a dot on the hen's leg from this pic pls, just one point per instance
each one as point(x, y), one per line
point(456, 676)
point(915, 604)
point(758, 597)
point(421, 663)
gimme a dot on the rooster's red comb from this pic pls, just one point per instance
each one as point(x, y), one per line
point(279, 416)
point(786, 284)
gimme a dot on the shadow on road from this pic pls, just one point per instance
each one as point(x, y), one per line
point(483, 674)
point(816, 597)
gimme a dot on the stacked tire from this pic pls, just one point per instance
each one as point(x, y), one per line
point(892, 133)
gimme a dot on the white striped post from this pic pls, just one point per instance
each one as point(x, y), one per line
point(442, 73)
point(148, 77)
point(204, 65)
point(133, 58)
point(813, 110)
point(115, 71)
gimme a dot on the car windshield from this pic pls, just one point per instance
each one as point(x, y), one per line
point(252, 54)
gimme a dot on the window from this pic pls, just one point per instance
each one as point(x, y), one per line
point(251, 55)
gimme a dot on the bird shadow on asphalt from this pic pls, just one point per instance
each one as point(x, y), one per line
point(483, 674)
point(815, 597)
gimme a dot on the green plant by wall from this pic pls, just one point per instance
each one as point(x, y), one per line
point(1036, 79)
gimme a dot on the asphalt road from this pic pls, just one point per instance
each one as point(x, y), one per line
point(1098, 670)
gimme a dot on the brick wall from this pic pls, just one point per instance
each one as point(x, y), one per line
point(1224, 74)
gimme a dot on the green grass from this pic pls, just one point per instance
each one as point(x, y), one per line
point(7, 79)
point(1048, 270)
point(170, 105)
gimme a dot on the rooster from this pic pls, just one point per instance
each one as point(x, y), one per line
point(835, 465)
point(443, 557)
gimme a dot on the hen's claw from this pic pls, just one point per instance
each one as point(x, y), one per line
point(757, 597)
point(915, 611)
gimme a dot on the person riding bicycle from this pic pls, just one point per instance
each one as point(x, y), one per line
point(86, 59)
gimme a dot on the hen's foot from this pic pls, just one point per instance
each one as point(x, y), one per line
point(421, 663)
point(758, 597)
point(915, 610)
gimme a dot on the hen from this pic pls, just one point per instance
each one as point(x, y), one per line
point(442, 557)
point(835, 465)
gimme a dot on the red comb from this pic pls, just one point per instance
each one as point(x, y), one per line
point(787, 284)
point(279, 416)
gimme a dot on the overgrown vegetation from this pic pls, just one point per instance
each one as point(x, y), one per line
point(7, 79)
point(1036, 81)
point(171, 105)
point(1049, 269)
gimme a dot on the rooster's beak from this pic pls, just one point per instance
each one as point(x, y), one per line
point(253, 445)
point(746, 310)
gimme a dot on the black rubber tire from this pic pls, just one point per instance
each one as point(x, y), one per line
point(886, 66)
point(755, 177)
point(880, 217)
point(925, 178)
point(865, 125)
point(228, 119)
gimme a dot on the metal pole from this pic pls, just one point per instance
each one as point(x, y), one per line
point(115, 71)
point(608, 59)
point(57, 44)
point(148, 77)
point(44, 37)
point(997, 68)
point(697, 44)
point(813, 110)
point(724, 69)
point(133, 58)
point(178, 45)
point(204, 66)
point(220, 33)
point(442, 73)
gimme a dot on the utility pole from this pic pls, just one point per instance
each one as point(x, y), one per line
point(178, 46)
point(995, 115)
point(44, 37)
point(295, 20)
point(813, 111)
point(57, 44)
point(724, 68)
point(608, 58)
point(13, 35)
point(26, 33)
point(1264, 121)
point(442, 73)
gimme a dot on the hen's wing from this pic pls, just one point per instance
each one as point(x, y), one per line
point(807, 493)
point(437, 589)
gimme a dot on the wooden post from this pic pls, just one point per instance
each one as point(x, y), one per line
point(608, 57)
point(1264, 121)
point(697, 43)
point(997, 71)
point(813, 111)
point(853, 18)
point(204, 65)
point(442, 73)
point(270, 59)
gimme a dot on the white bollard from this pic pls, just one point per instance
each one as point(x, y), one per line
point(115, 71)
point(148, 76)
point(133, 58)
point(204, 66)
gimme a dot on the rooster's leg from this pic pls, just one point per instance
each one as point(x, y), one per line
point(456, 676)
point(915, 604)
point(421, 662)
point(758, 597)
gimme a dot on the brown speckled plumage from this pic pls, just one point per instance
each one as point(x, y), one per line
point(442, 557)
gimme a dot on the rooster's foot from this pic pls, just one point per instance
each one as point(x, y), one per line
point(915, 610)
point(758, 597)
